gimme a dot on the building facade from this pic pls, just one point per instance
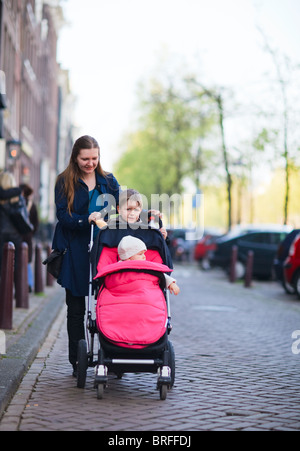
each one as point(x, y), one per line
point(33, 91)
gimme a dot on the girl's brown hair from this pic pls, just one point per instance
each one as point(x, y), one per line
point(132, 195)
point(71, 174)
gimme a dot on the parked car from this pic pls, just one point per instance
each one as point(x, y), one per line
point(262, 240)
point(204, 247)
point(291, 267)
point(181, 244)
point(281, 255)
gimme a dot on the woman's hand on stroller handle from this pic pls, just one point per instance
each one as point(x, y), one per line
point(97, 217)
point(94, 217)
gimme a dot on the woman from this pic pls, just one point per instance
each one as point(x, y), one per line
point(79, 194)
point(9, 192)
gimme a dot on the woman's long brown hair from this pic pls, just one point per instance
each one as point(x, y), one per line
point(71, 174)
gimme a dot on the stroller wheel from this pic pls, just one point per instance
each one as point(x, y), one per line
point(100, 391)
point(163, 389)
point(171, 362)
point(82, 363)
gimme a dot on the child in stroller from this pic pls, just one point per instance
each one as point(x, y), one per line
point(132, 312)
point(131, 248)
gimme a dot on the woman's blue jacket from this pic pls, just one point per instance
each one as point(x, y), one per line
point(73, 233)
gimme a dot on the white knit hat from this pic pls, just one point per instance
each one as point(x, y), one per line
point(130, 246)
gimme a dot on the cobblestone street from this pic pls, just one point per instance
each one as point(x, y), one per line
point(235, 369)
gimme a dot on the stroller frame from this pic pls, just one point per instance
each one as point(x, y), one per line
point(157, 358)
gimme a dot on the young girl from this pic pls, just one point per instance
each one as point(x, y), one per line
point(130, 209)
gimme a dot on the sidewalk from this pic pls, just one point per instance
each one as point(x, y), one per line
point(30, 328)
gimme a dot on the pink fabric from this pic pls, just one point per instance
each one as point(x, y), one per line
point(131, 309)
point(108, 255)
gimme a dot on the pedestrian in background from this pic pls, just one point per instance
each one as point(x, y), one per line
point(9, 193)
point(77, 190)
point(27, 192)
point(6, 194)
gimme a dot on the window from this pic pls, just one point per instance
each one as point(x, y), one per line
point(256, 238)
point(277, 238)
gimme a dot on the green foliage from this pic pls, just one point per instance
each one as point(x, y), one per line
point(178, 137)
point(160, 154)
point(265, 137)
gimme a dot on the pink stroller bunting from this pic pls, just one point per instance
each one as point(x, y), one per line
point(131, 308)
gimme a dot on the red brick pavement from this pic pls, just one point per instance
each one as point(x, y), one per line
point(234, 370)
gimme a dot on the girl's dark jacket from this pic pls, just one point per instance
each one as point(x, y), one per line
point(72, 233)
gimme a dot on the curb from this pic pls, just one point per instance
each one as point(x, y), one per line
point(22, 353)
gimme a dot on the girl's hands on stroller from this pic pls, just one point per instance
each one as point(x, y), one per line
point(164, 232)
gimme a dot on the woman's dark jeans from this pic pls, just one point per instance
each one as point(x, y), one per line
point(75, 323)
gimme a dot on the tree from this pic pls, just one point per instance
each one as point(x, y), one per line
point(159, 154)
point(216, 96)
point(283, 85)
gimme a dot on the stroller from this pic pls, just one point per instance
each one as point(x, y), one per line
point(132, 311)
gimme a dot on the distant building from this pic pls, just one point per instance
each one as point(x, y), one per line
point(35, 112)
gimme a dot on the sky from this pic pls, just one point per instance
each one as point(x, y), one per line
point(109, 46)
